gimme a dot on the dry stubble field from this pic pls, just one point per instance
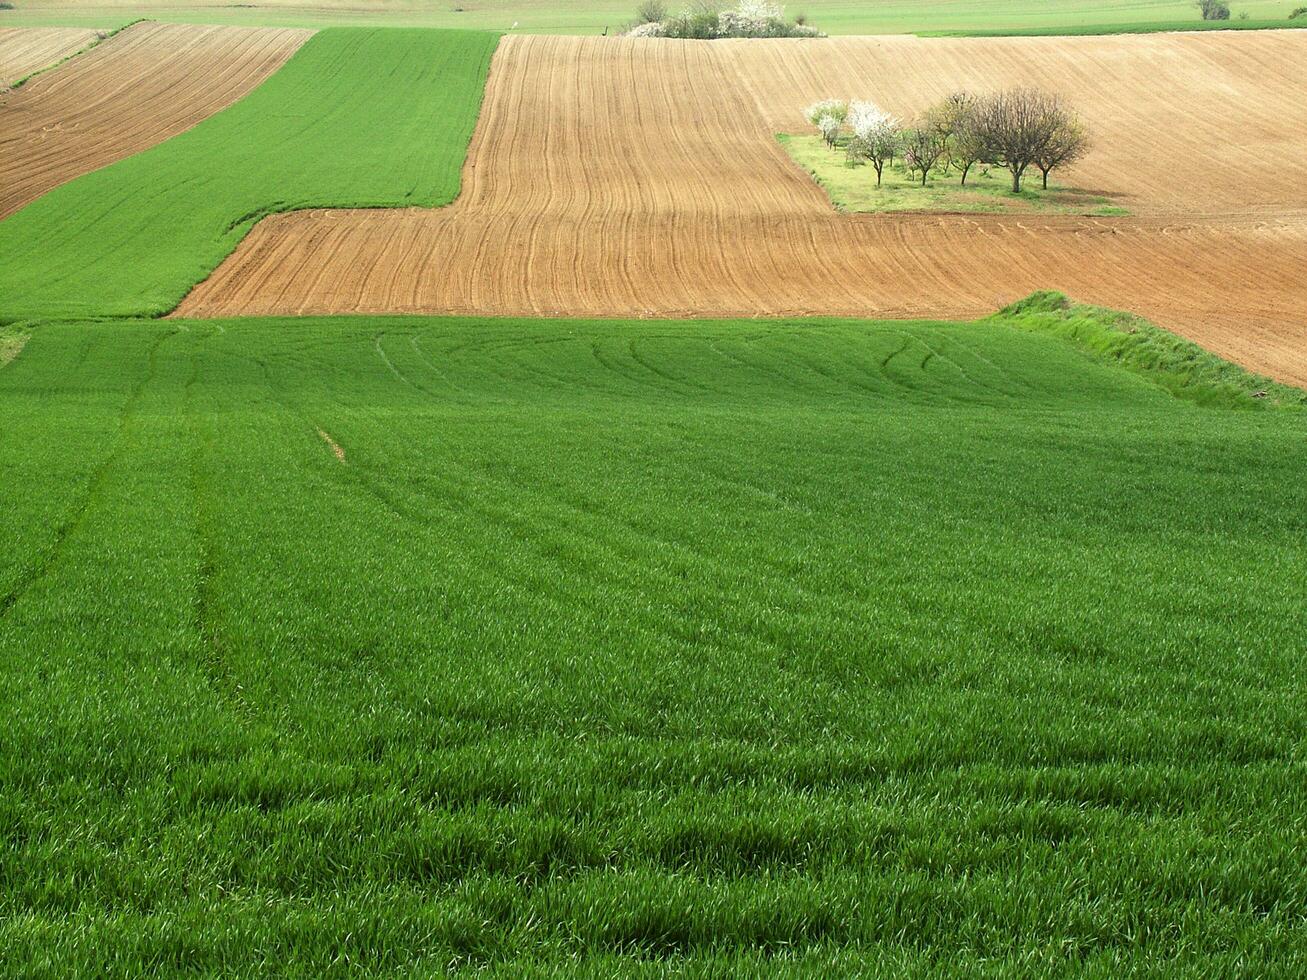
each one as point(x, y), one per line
point(138, 88)
point(612, 177)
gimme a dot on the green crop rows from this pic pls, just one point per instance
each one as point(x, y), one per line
point(363, 118)
point(820, 643)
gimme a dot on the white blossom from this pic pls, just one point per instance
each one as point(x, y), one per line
point(869, 122)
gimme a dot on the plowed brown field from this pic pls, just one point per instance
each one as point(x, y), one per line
point(148, 83)
point(619, 177)
point(24, 50)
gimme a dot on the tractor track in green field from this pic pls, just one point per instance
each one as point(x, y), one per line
point(214, 654)
point(45, 564)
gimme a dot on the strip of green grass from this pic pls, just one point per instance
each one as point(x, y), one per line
point(1178, 365)
point(957, 17)
point(987, 191)
point(1125, 27)
point(357, 118)
point(737, 646)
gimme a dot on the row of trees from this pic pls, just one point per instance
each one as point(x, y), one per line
point(1016, 129)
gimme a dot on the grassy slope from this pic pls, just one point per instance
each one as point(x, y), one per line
point(592, 16)
point(823, 641)
point(854, 188)
point(357, 117)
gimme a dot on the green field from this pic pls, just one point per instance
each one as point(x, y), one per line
point(677, 644)
point(328, 129)
point(396, 646)
point(594, 16)
point(988, 189)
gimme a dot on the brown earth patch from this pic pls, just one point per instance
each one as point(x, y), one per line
point(615, 177)
point(333, 445)
point(24, 50)
point(138, 88)
point(11, 345)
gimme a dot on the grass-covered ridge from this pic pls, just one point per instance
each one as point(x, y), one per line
point(1178, 365)
point(856, 646)
point(987, 191)
point(357, 117)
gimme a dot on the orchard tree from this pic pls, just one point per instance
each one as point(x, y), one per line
point(830, 130)
point(1067, 143)
point(828, 116)
point(875, 135)
point(923, 147)
point(1016, 126)
point(968, 147)
point(954, 119)
point(949, 115)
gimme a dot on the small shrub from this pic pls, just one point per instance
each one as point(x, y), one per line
point(6, 5)
point(650, 12)
point(692, 26)
point(651, 29)
point(1214, 9)
point(1298, 12)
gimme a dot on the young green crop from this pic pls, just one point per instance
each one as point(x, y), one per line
point(357, 118)
point(622, 646)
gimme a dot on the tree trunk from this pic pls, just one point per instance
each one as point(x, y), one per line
point(964, 174)
point(1016, 182)
point(878, 169)
point(1045, 179)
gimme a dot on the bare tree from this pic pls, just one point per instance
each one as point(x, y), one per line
point(923, 147)
point(968, 147)
point(1016, 126)
point(1066, 143)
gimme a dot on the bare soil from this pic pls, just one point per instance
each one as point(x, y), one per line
point(24, 50)
point(616, 177)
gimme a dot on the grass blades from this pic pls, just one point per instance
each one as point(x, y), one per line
point(612, 646)
point(362, 118)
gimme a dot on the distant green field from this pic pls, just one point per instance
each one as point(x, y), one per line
point(647, 645)
point(593, 16)
point(358, 117)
